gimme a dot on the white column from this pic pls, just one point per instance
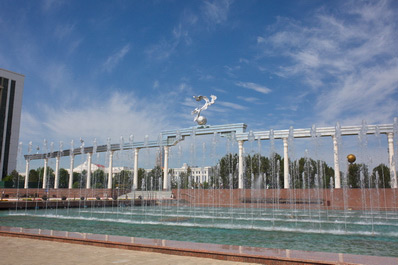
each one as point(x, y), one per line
point(72, 161)
point(337, 179)
point(393, 172)
point(88, 183)
point(240, 180)
point(56, 182)
point(45, 173)
point(166, 169)
point(286, 184)
point(110, 170)
point(27, 174)
point(135, 180)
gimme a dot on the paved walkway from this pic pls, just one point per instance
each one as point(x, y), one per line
point(24, 251)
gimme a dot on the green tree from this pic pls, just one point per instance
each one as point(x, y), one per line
point(358, 176)
point(78, 180)
point(13, 179)
point(34, 176)
point(304, 169)
point(327, 173)
point(205, 185)
point(380, 177)
point(256, 166)
point(141, 178)
point(76, 185)
point(261, 172)
point(228, 171)
point(123, 179)
point(185, 179)
point(173, 179)
point(63, 178)
point(275, 171)
point(98, 179)
point(265, 165)
point(309, 173)
point(50, 176)
point(154, 178)
point(226, 175)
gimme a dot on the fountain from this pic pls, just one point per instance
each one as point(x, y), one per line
point(251, 197)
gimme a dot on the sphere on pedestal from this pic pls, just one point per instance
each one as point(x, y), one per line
point(351, 158)
point(201, 120)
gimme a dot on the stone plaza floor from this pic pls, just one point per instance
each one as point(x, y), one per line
point(24, 251)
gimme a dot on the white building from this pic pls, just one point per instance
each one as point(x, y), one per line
point(199, 174)
point(11, 90)
point(80, 168)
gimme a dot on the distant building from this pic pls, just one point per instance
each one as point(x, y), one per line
point(94, 167)
point(83, 167)
point(199, 174)
point(11, 90)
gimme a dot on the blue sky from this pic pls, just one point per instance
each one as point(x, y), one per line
point(99, 69)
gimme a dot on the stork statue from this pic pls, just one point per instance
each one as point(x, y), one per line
point(201, 120)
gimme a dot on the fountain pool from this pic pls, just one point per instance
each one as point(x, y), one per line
point(354, 232)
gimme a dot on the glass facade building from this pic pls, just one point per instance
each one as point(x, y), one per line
point(11, 90)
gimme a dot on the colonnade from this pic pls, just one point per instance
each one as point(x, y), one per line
point(166, 176)
point(336, 160)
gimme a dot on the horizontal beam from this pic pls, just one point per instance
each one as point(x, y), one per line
point(317, 132)
point(169, 138)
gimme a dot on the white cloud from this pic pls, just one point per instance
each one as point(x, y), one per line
point(74, 45)
point(166, 47)
point(31, 128)
point(348, 59)
point(368, 94)
point(115, 58)
point(248, 99)
point(308, 58)
point(188, 102)
point(56, 75)
point(231, 105)
point(48, 5)
point(120, 115)
point(156, 84)
point(220, 90)
point(63, 31)
point(254, 86)
point(216, 12)
point(177, 91)
point(161, 50)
